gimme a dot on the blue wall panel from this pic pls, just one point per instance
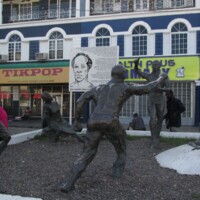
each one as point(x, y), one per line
point(41, 31)
point(159, 22)
point(159, 44)
point(198, 41)
point(84, 42)
point(33, 49)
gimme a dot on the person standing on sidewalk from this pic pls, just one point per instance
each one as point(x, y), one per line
point(4, 134)
point(174, 109)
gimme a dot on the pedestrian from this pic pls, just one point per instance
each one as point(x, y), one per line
point(137, 123)
point(4, 134)
point(104, 121)
point(156, 101)
point(174, 109)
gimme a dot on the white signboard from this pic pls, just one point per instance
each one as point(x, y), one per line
point(91, 66)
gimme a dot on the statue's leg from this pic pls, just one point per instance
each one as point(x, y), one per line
point(68, 129)
point(53, 135)
point(118, 139)
point(153, 124)
point(89, 152)
point(4, 136)
point(160, 108)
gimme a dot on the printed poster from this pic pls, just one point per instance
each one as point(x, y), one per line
point(91, 66)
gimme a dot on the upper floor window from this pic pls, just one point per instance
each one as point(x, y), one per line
point(62, 8)
point(14, 48)
point(177, 3)
point(103, 37)
point(56, 45)
point(179, 39)
point(139, 41)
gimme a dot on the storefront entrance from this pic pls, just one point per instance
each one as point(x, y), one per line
point(30, 96)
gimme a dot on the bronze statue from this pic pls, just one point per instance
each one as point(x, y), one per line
point(156, 101)
point(55, 124)
point(104, 121)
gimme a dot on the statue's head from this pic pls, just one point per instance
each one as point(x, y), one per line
point(46, 97)
point(156, 66)
point(118, 72)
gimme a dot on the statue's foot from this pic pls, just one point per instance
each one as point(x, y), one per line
point(155, 145)
point(117, 172)
point(66, 188)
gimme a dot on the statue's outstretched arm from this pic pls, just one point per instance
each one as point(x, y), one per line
point(145, 88)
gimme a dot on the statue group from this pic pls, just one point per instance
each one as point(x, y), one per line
point(104, 120)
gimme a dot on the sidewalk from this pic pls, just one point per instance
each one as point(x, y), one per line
point(22, 126)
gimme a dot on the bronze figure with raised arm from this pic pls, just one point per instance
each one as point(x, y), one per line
point(104, 121)
point(156, 100)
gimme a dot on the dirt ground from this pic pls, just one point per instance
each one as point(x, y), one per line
point(36, 168)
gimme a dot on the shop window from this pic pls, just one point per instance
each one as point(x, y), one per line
point(6, 99)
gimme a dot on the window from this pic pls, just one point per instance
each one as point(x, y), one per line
point(56, 45)
point(160, 4)
point(141, 5)
point(139, 41)
point(25, 11)
point(107, 6)
point(103, 37)
point(179, 39)
point(62, 8)
point(14, 48)
point(177, 3)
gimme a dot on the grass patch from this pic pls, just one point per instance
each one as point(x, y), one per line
point(171, 141)
point(195, 196)
point(176, 141)
point(41, 137)
point(131, 137)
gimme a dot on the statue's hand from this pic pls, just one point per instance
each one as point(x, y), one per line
point(77, 126)
point(136, 63)
point(164, 76)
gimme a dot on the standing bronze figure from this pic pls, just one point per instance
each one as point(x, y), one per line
point(156, 101)
point(104, 121)
point(55, 124)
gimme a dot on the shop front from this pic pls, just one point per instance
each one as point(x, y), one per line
point(183, 73)
point(23, 83)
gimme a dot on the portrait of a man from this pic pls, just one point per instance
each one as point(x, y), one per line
point(81, 65)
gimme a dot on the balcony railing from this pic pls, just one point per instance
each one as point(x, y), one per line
point(146, 5)
point(35, 13)
point(96, 8)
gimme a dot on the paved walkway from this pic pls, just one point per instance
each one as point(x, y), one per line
point(35, 123)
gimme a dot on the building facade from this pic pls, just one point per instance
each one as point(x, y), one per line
point(36, 37)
